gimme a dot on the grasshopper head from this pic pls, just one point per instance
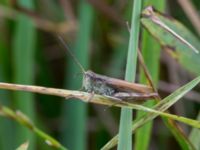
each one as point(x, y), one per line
point(96, 83)
point(88, 81)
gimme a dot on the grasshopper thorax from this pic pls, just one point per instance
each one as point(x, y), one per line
point(93, 82)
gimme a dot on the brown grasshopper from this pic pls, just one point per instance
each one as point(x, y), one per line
point(112, 87)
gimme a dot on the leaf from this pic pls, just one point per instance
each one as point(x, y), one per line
point(172, 43)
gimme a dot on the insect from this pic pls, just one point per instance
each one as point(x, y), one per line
point(111, 87)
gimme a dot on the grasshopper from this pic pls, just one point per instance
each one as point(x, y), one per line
point(111, 87)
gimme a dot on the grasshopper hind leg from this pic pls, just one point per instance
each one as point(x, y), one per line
point(135, 97)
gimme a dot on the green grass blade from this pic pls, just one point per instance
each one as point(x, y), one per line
point(195, 136)
point(161, 106)
point(125, 136)
point(190, 122)
point(6, 128)
point(151, 54)
point(23, 65)
point(75, 112)
point(177, 49)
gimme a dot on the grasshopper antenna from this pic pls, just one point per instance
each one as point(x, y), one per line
point(70, 52)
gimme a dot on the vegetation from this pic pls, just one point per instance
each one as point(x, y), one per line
point(107, 37)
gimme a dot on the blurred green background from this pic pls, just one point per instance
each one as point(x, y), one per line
point(97, 33)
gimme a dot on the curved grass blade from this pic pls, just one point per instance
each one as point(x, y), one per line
point(161, 106)
point(172, 44)
point(26, 122)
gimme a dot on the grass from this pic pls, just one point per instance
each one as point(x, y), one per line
point(125, 135)
point(75, 135)
point(161, 106)
point(6, 128)
point(72, 121)
point(23, 68)
point(151, 54)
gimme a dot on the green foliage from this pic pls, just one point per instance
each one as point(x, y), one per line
point(151, 54)
point(125, 137)
point(176, 48)
point(98, 35)
point(75, 112)
point(24, 40)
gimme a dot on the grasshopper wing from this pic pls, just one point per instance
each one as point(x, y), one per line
point(119, 85)
point(123, 85)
